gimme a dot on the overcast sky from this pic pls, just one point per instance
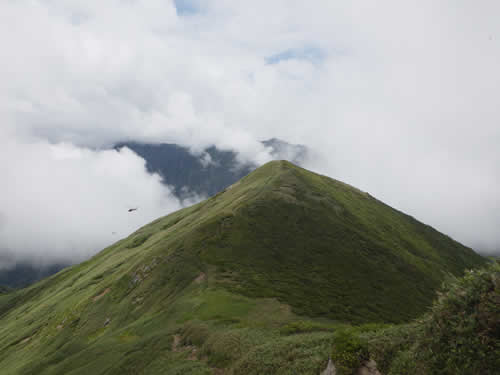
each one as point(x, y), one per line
point(397, 98)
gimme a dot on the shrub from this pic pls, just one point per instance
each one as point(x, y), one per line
point(350, 349)
point(461, 334)
point(304, 326)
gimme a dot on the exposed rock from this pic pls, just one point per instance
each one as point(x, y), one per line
point(176, 343)
point(137, 279)
point(201, 277)
point(368, 368)
point(61, 326)
point(330, 368)
point(193, 355)
point(191, 349)
point(142, 272)
point(138, 300)
point(26, 340)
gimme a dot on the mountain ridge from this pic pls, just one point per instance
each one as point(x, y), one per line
point(281, 251)
point(182, 171)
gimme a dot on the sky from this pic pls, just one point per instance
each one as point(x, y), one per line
point(397, 98)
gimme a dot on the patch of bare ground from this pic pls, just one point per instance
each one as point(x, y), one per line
point(102, 294)
point(368, 368)
point(178, 347)
point(176, 343)
point(201, 277)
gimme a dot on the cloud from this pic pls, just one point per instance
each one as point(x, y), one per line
point(61, 203)
point(398, 99)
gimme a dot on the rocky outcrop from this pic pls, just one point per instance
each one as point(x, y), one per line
point(368, 368)
point(330, 369)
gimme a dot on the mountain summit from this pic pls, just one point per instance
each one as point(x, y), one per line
point(238, 269)
point(323, 247)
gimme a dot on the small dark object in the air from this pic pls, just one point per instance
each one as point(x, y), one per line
point(133, 209)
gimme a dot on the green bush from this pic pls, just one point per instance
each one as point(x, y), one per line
point(305, 326)
point(195, 333)
point(387, 343)
point(461, 335)
point(350, 349)
point(305, 354)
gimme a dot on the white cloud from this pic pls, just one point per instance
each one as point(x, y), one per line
point(399, 99)
point(62, 203)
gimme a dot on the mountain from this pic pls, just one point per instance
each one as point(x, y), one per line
point(181, 170)
point(212, 171)
point(24, 274)
point(264, 277)
point(186, 172)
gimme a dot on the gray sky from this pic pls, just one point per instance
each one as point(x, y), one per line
point(397, 98)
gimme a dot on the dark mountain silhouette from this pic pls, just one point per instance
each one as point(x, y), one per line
point(209, 173)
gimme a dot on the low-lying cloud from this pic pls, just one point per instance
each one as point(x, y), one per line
point(61, 203)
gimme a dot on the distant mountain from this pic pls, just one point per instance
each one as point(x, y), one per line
point(24, 274)
point(265, 277)
point(209, 173)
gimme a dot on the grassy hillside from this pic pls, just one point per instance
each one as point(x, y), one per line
point(326, 248)
point(263, 272)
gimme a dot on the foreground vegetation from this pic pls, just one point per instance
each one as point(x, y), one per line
point(273, 276)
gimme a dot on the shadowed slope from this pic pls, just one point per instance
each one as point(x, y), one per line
point(326, 248)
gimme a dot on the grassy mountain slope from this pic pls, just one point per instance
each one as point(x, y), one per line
point(182, 171)
point(267, 268)
point(326, 248)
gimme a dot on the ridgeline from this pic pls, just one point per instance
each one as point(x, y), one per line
point(267, 276)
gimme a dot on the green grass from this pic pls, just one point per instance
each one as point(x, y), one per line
point(264, 277)
point(327, 249)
